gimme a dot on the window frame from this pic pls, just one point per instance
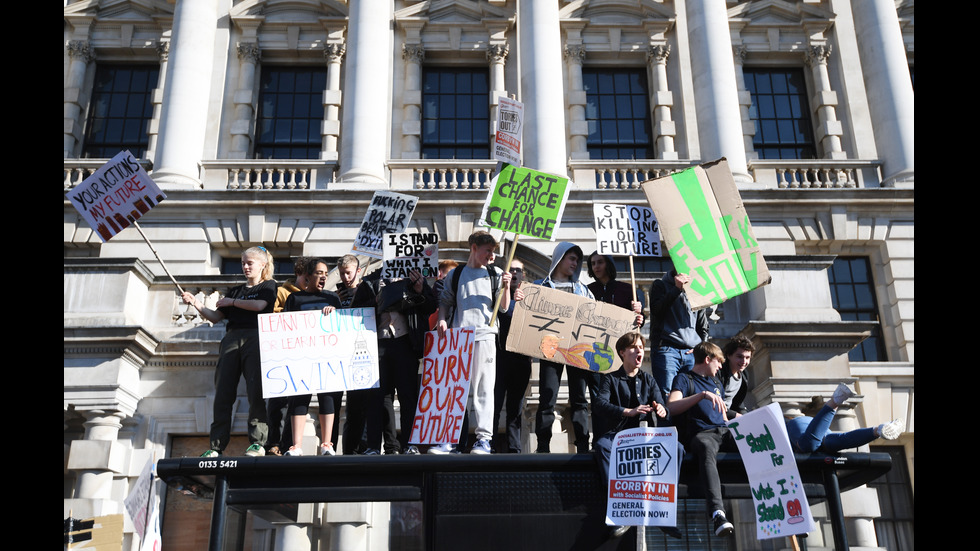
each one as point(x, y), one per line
point(773, 150)
point(874, 345)
point(90, 147)
point(596, 146)
point(435, 145)
point(270, 148)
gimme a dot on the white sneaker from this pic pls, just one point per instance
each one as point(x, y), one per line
point(841, 394)
point(327, 449)
point(255, 450)
point(891, 430)
point(294, 451)
point(482, 447)
point(442, 449)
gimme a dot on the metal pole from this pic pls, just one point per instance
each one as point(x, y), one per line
point(835, 510)
point(219, 509)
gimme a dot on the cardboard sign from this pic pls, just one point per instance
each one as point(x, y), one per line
point(564, 328)
point(707, 233)
point(308, 353)
point(626, 230)
point(137, 503)
point(643, 478)
point(510, 125)
point(525, 201)
point(777, 489)
point(117, 195)
point(404, 252)
point(389, 212)
point(445, 387)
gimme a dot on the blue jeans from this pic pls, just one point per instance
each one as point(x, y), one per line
point(667, 362)
point(810, 434)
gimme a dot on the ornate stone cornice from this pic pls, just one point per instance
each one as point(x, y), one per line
point(658, 53)
point(81, 49)
point(497, 52)
point(818, 54)
point(334, 52)
point(574, 53)
point(413, 52)
point(249, 51)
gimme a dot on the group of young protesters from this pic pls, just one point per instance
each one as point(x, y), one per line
point(693, 386)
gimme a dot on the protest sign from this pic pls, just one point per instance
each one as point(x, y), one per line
point(389, 212)
point(643, 478)
point(116, 195)
point(404, 252)
point(137, 503)
point(707, 233)
point(308, 353)
point(510, 123)
point(525, 201)
point(565, 328)
point(626, 230)
point(777, 489)
point(445, 387)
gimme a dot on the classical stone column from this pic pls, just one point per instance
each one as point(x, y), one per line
point(413, 54)
point(886, 77)
point(184, 118)
point(577, 100)
point(156, 99)
point(497, 57)
point(332, 99)
point(544, 112)
point(81, 54)
point(744, 102)
point(249, 56)
point(98, 456)
point(715, 90)
point(661, 101)
point(363, 150)
point(829, 129)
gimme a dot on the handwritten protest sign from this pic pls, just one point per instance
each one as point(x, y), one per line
point(525, 201)
point(626, 230)
point(565, 328)
point(116, 195)
point(308, 353)
point(389, 212)
point(445, 386)
point(777, 489)
point(510, 123)
point(643, 478)
point(707, 233)
point(404, 252)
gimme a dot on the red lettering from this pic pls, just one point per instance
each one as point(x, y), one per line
point(425, 399)
point(459, 398)
point(428, 342)
point(427, 366)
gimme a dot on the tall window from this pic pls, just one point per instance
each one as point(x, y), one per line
point(618, 114)
point(120, 111)
point(853, 295)
point(781, 113)
point(895, 527)
point(290, 113)
point(455, 113)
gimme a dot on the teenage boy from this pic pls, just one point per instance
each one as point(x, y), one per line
point(626, 397)
point(566, 266)
point(700, 399)
point(738, 354)
point(467, 301)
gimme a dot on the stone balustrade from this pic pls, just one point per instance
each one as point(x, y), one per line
point(815, 174)
point(440, 174)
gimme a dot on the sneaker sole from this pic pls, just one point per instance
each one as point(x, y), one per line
point(725, 529)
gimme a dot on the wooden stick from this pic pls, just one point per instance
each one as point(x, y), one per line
point(794, 543)
point(500, 292)
point(162, 264)
point(632, 278)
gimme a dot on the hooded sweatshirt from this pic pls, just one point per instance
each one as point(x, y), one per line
point(576, 287)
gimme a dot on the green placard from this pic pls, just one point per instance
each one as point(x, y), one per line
point(526, 201)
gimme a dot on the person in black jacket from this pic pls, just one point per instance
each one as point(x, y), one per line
point(674, 328)
point(738, 354)
point(626, 397)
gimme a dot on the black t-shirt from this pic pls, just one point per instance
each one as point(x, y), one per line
point(239, 318)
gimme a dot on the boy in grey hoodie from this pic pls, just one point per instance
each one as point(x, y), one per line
point(566, 265)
